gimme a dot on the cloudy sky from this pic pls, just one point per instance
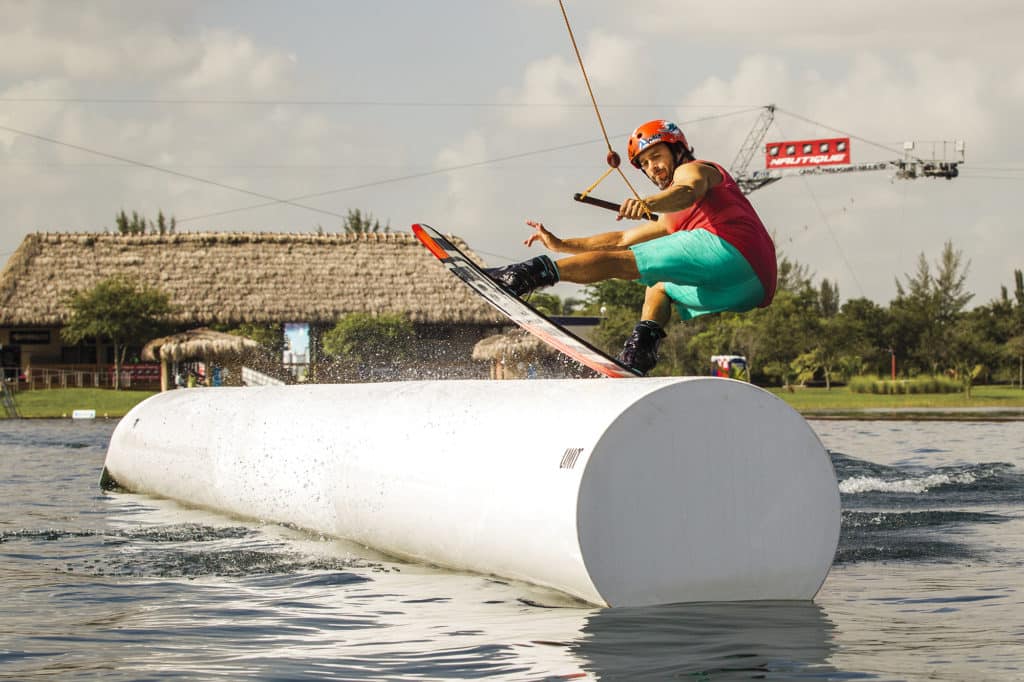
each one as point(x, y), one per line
point(473, 116)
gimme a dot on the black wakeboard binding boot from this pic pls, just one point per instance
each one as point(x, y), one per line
point(641, 349)
point(522, 278)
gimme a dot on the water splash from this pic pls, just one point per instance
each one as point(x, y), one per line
point(917, 484)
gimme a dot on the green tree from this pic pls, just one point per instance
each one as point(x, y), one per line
point(1015, 350)
point(792, 275)
point(549, 304)
point(747, 340)
point(782, 373)
point(828, 298)
point(728, 333)
point(369, 344)
point(862, 323)
point(951, 283)
point(572, 305)
point(616, 293)
point(165, 227)
point(269, 336)
point(788, 327)
point(832, 343)
point(138, 224)
point(926, 310)
point(806, 365)
point(1015, 345)
point(117, 309)
point(615, 327)
point(680, 354)
point(913, 312)
point(619, 303)
point(995, 325)
point(968, 351)
point(851, 366)
point(356, 222)
point(712, 336)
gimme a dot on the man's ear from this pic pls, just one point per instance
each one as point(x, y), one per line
point(679, 152)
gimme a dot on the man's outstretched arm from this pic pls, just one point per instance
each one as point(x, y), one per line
point(607, 241)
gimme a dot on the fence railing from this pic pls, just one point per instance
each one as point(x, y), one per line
point(251, 377)
point(8, 400)
point(41, 378)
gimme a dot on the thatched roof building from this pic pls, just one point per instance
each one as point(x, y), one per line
point(250, 277)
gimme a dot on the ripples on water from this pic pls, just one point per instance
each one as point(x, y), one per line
point(926, 584)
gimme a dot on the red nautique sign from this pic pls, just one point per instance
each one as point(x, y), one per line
point(802, 153)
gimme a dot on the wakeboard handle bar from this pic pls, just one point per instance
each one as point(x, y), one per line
point(594, 201)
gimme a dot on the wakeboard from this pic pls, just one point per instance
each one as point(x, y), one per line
point(517, 310)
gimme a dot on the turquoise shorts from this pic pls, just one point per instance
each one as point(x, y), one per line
point(702, 273)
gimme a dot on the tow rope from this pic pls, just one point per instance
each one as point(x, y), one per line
point(613, 159)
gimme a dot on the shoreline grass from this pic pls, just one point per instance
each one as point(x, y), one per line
point(842, 399)
point(55, 403)
point(61, 402)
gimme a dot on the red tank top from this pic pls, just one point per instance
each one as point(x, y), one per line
point(724, 211)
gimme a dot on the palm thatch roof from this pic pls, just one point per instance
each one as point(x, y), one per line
point(511, 345)
point(201, 343)
point(243, 277)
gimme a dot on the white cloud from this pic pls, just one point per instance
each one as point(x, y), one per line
point(470, 195)
point(883, 71)
point(228, 65)
point(72, 51)
point(877, 99)
point(946, 26)
point(100, 41)
point(552, 82)
point(548, 85)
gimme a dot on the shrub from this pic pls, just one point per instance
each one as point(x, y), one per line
point(367, 345)
point(918, 385)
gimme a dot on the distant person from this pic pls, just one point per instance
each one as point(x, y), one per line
point(708, 252)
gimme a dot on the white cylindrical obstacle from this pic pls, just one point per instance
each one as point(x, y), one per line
point(623, 492)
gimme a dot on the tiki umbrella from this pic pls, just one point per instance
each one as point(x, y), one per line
point(506, 350)
point(195, 344)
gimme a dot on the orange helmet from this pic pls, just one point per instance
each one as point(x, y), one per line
point(651, 133)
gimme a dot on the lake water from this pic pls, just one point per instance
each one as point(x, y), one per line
point(927, 584)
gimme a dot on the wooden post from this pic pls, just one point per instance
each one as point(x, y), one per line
point(164, 382)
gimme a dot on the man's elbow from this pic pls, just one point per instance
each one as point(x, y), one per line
point(683, 198)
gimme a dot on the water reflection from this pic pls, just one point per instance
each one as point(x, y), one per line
point(177, 590)
point(739, 641)
point(341, 611)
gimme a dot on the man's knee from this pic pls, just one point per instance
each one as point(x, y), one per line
point(657, 304)
point(656, 291)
